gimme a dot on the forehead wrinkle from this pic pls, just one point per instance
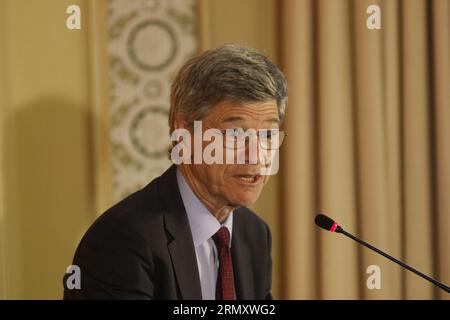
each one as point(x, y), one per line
point(239, 113)
point(246, 112)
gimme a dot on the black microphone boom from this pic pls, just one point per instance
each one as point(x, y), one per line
point(329, 224)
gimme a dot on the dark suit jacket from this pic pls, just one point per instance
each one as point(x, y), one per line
point(142, 248)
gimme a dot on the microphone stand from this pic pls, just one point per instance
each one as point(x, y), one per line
point(339, 229)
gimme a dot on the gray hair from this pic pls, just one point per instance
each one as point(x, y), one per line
point(228, 73)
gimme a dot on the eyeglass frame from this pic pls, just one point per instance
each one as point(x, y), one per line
point(283, 134)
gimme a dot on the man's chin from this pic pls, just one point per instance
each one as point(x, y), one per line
point(244, 201)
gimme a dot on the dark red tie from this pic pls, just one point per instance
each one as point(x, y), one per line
point(225, 279)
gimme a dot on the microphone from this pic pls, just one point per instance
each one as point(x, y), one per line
point(329, 224)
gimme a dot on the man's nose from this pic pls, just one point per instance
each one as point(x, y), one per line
point(264, 156)
point(255, 154)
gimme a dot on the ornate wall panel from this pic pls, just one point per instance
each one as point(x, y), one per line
point(148, 41)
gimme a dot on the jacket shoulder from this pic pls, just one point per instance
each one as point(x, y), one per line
point(251, 221)
point(249, 215)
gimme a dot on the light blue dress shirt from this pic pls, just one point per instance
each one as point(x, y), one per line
point(203, 226)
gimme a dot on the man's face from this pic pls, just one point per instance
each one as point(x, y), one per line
point(234, 184)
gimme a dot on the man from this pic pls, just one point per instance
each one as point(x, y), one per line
point(188, 234)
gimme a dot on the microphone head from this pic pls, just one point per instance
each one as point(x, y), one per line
point(326, 223)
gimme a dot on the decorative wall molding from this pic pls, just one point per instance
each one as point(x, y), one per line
point(148, 41)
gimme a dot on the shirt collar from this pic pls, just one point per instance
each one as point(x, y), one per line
point(203, 224)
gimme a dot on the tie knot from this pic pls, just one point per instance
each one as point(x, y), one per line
point(222, 237)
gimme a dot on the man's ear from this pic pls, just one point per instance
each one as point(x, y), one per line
point(177, 137)
point(180, 123)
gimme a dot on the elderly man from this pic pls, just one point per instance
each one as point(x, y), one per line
point(189, 234)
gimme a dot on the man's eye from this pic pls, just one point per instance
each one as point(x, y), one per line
point(232, 133)
point(268, 134)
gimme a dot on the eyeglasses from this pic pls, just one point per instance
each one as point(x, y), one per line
point(269, 139)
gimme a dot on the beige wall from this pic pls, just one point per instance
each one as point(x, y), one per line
point(46, 146)
point(2, 200)
point(252, 23)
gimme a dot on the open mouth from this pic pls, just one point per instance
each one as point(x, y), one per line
point(248, 178)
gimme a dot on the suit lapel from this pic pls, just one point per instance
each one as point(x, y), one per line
point(181, 247)
point(185, 267)
point(242, 268)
